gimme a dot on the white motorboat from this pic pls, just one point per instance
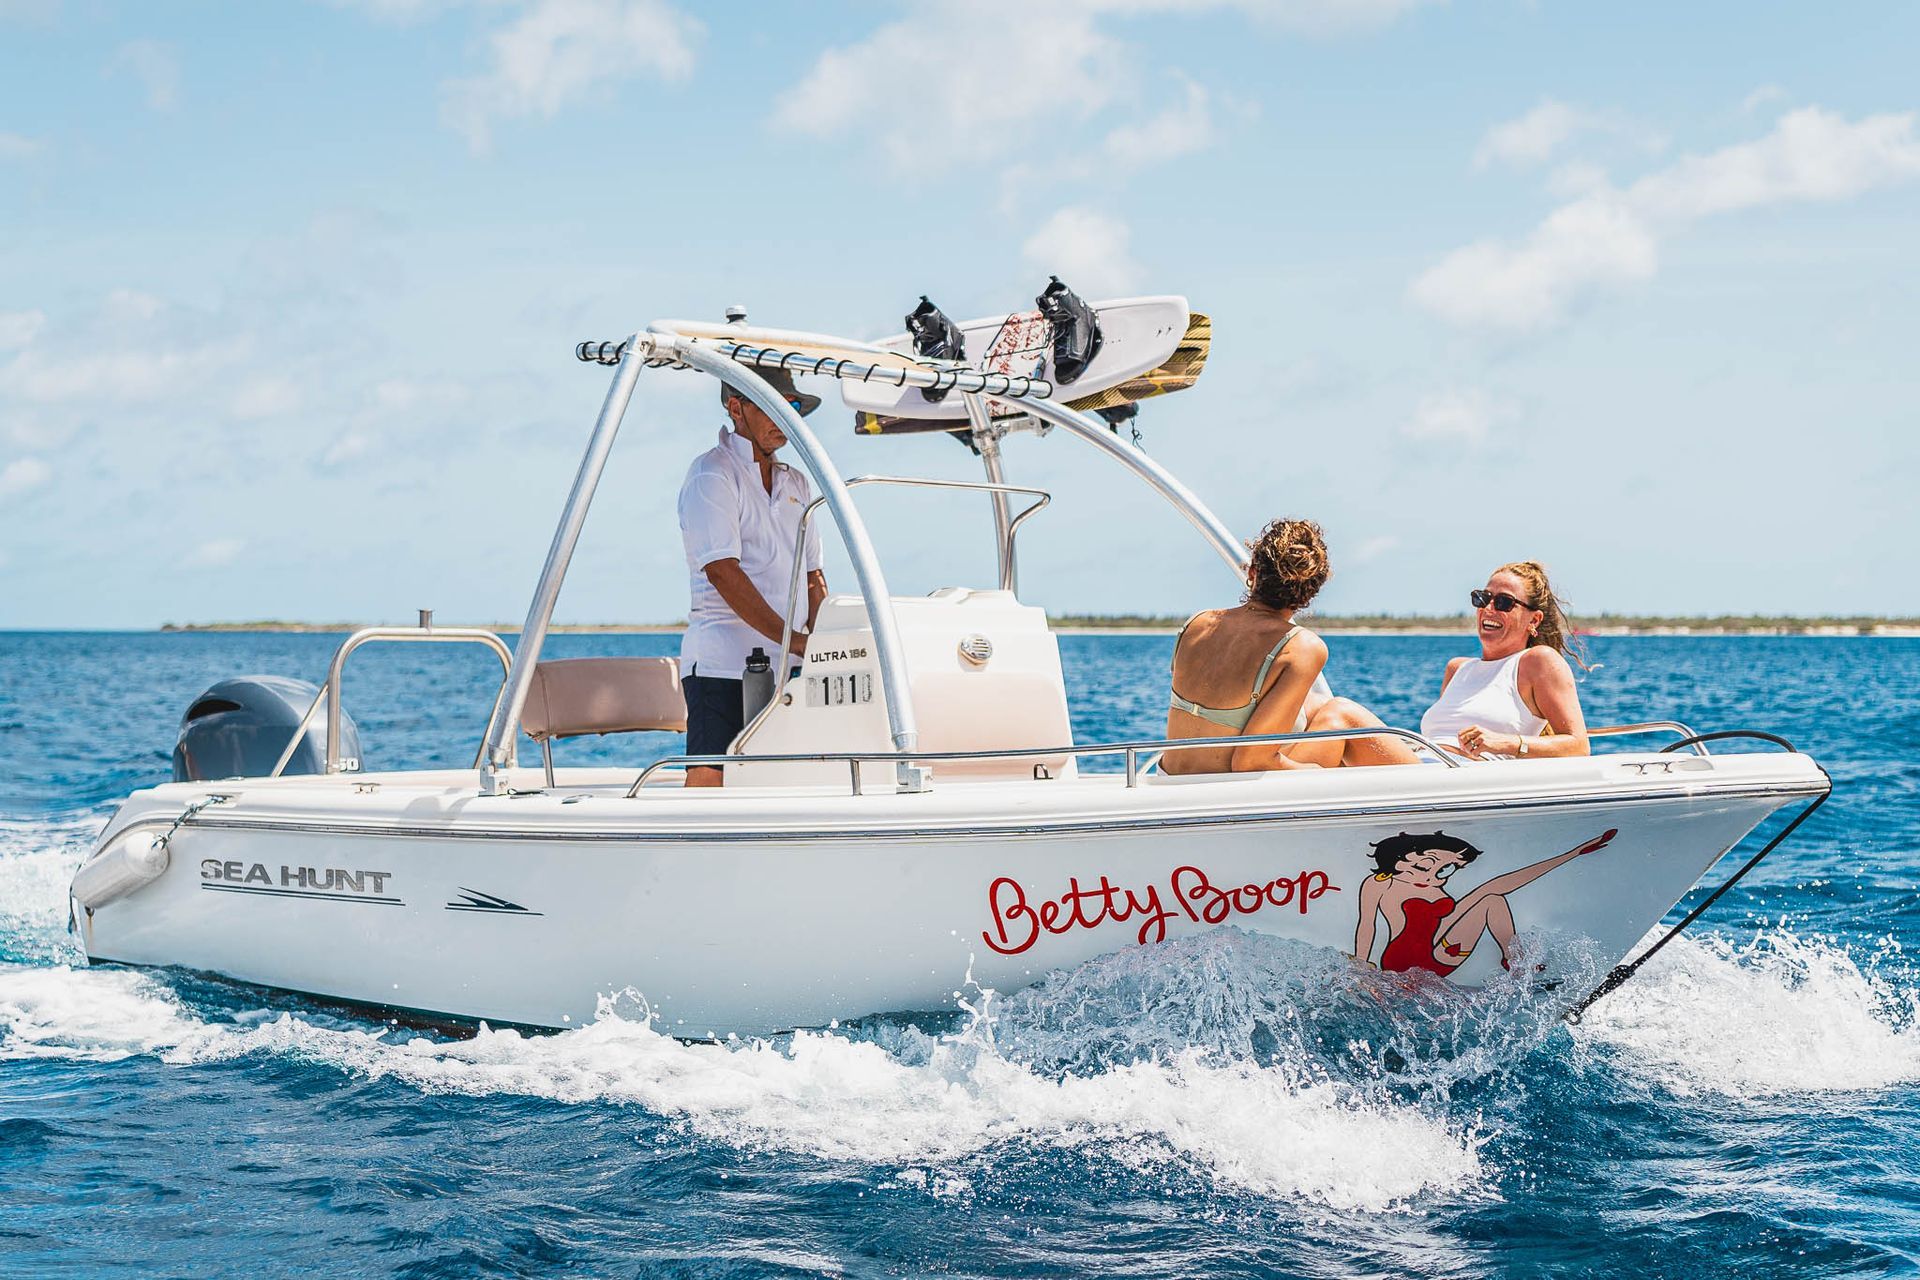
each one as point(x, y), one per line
point(909, 807)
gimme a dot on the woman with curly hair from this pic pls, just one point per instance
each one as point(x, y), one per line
point(1253, 670)
point(1517, 699)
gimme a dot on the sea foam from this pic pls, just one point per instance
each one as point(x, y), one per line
point(38, 857)
point(1779, 1014)
point(1256, 1128)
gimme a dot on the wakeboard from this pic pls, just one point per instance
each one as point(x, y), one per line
point(1180, 369)
point(1137, 337)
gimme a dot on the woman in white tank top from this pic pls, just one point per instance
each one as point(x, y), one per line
point(1517, 699)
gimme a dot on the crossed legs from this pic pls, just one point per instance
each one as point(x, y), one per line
point(1345, 713)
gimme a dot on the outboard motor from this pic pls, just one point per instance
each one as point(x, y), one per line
point(1076, 330)
point(239, 727)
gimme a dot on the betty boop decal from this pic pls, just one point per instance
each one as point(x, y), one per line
point(1426, 928)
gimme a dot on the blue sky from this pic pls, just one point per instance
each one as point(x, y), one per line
point(287, 291)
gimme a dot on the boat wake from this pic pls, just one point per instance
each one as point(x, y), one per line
point(37, 861)
point(1780, 1014)
point(938, 1101)
point(1261, 1066)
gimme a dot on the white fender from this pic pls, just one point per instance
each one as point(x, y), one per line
point(128, 864)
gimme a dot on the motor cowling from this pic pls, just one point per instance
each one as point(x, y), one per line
point(239, 727)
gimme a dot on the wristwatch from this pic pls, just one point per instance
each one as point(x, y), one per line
point(1523, 742)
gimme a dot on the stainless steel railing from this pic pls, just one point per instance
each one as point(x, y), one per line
point(1133, 751)
point(330, 695)
point(1674, 727)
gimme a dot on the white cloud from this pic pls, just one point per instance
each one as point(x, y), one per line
point(20, 328)
point(130, 306)
point(955, 83)
point(267, 397)
point(1609, 238)
point(960, 82)
point(1764, 95)
point(348, 447)
point(154, 66)
point(1811, 155)
point(23, 475)
point(1087, 249)
point(1373, 548)
point(1327, 17)
point(1542, 133)
point(398, 11)
point(1456, 416)
point(1577, 178)
point(215, 553)
point(1532, 138)
point(14, 146)
point(130, 349)
point(557, 52)
point(26, 430)
point(117, 356)
point(1307, 17)
point(119, 374)
point(1183, 128)
point(1594, 242)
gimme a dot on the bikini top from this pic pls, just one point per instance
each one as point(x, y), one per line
point(1234, 718)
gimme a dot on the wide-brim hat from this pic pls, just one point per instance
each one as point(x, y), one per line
point(782, 382)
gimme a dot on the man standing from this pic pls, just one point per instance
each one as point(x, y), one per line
point(739, 515)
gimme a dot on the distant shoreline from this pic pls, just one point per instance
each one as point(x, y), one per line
point(1085, 624)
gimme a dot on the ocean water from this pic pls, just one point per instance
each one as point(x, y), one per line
point(1226, 1106)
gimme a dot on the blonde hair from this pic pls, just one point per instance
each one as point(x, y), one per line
point(1554, 631)
point(1287, 564)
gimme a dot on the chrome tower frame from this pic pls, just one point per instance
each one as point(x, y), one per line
point(736, 362)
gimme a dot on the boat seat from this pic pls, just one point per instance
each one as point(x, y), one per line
point(574, 697)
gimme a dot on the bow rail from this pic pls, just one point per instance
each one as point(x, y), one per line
point(1133, 751)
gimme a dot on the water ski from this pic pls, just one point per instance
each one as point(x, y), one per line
point(1179, 370)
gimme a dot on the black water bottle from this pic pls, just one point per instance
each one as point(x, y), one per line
point(756, 684)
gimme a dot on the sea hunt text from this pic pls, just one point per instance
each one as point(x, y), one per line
point(308, 879)
point(1017, 923)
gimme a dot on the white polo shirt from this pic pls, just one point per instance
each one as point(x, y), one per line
point(726, 513)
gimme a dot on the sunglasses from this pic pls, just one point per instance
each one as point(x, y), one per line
point(1500, 600)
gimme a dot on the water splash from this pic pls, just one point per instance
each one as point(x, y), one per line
point(38, 857)
point(1779, 1014)
point(1283, 1004)
point(1257, 1129)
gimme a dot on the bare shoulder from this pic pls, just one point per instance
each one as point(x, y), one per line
point(1203, 623)
point(1307, 644)
point(1453, 669)
point(1542, 662)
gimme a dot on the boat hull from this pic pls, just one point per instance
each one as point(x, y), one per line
point(826, 908)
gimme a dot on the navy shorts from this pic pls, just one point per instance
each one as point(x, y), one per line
point(714, 716)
